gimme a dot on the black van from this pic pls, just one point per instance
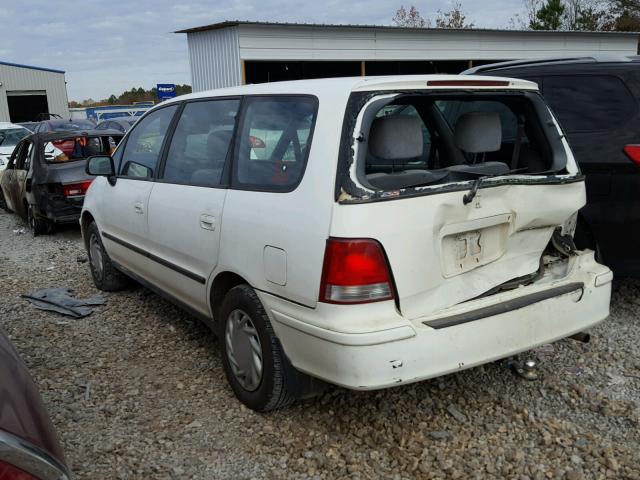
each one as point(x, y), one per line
point(596, 101)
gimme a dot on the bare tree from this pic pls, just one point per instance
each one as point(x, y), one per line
point(454, 18)
point(412, 18)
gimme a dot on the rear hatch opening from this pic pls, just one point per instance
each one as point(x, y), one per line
point(471, 193)
point(417, 142)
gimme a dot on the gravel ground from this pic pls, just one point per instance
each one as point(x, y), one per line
point(136, 390)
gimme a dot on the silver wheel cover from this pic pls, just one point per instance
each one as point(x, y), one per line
point(95, 255)
point(244, 350)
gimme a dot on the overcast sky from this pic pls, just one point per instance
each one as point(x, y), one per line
point(110, 46)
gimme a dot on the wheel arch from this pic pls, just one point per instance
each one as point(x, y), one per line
point(221, 284)
point(85, 220)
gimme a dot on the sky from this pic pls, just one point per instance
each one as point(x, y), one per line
point(109, 46)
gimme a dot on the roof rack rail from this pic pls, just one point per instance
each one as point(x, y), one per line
point(602, 58)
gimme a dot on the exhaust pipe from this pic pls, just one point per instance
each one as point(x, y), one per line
point(581, 337)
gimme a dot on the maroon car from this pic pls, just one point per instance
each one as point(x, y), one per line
point(29, 447)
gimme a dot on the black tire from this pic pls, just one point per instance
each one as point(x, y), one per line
point(38, 225)
point(107, 278)
point(274, 388)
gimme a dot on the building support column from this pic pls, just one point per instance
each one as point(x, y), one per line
point(363, 70)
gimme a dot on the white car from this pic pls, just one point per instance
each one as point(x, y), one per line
point(398, 229)
point(10, 135)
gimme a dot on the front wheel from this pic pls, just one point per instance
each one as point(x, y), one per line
point(253, 360)
point(105, 275)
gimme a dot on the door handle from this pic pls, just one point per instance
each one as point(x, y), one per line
point(138, 207)
point(208, 222)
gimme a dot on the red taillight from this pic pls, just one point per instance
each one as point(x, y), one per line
point(10, 472)
point(66, 146)
point(355, 271)
point(75, 189)
point(468, 83)
point(256, 142)
point(633, 152)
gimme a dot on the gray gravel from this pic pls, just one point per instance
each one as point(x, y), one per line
point(136, 390)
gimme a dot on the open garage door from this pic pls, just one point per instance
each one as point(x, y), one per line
point(27, 105)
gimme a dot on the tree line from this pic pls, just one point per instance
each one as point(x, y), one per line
point(128, 97)
point(586, 15)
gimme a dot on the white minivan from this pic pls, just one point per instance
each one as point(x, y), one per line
point(365, 232)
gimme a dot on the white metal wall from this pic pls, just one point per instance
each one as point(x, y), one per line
point(269, 42)
point(20, 79)
point(214, 58)
point(216, 55)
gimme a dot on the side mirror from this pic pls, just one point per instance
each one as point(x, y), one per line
point(101, 165)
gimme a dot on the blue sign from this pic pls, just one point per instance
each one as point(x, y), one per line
point(164, 91)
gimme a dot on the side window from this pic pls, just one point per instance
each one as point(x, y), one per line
point(453, 110)
point(588, 103)
point(27, 160)
point(273, 142)
point(23, 160)
point(200, 143)
point(144, 144)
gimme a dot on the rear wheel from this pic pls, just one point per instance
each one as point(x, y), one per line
point(105, 275)
point(253, 360)
point(38, 225)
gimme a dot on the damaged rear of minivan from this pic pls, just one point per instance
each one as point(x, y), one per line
point(451, 236)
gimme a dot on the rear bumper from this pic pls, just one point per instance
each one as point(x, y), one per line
point(61, 209)
point(371, 346)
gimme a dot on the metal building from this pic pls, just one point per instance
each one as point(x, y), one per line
point(236, 52)
point(27, 92)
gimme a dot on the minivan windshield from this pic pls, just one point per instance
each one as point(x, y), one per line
point(427, 139)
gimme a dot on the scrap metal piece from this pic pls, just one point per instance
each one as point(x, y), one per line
point(60, 300)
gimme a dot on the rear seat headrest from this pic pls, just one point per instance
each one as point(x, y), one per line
point(396, 137)
point(478, 132)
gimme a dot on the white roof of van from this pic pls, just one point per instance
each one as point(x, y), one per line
point(360, 84)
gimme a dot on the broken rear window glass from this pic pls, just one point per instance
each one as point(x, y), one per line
point(417, 140)
point(78, 148)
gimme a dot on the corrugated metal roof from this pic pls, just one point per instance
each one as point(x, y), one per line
point(235, 23)
point(31, 67)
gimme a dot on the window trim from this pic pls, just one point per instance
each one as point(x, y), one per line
point(125, 140)
point(234, 183)
point(224, 177)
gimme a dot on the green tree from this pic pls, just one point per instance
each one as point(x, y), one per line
point(549, 16)
point(624, 16)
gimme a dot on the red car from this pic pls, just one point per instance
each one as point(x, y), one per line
point(29, 446)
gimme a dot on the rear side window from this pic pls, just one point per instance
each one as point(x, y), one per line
point(144, 144)
point(587, 103)
point(200, 143)
point(273, 142)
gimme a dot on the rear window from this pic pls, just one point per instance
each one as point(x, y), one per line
point(79, 148)
point(427, 139)
point(587, 103)
point(273, 142)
